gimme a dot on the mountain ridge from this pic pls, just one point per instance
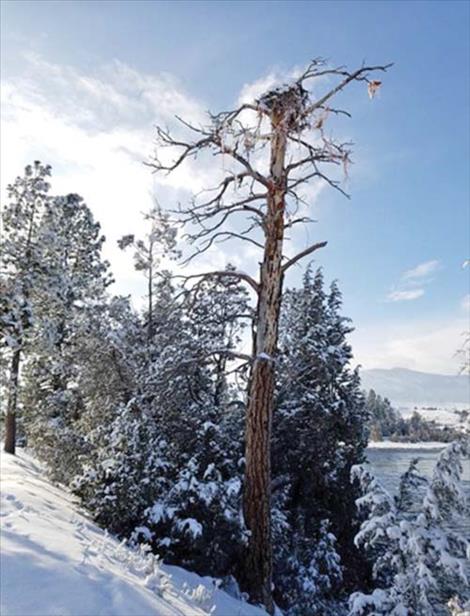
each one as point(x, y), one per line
point(403, 386)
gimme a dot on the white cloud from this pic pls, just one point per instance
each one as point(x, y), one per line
point(465, 303)
point(251, 91)
point(423, 270)
point(429, 346)
point(96, 131)
point(410, 286)
point(405, 296)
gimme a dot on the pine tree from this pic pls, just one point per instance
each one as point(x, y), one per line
point(419, 560)
point(159, 242)
point(319, 433)
point(22, 270)
point(197, 521)
point(72, 290)
point(281, 123)
point(384, 419)
point(180, 416)
point(126, 471)
point(109, 360)
point(218, 310)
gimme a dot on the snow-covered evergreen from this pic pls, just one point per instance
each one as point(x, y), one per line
point(179, 415)
point(141, 414)
point(420, 562)
point(73, 287)
point(319, 433)
point(22, 276)
point(55, 560)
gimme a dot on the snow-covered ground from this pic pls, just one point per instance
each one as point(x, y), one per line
point(453, 416)
point(56, 562)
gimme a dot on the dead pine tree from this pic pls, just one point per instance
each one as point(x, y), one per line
point(269, 150)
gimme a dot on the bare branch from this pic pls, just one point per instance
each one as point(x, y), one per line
point(303, 254)
point(189, 149)
point(224, 149)
point(226, 352)
point(204, 246)
point(296, 221)
point(333, 183)
point(218, 207)
point(227, 235)
point(359, 75)
point(224, 212)
point(226, 117)
point(219, 273)
point(335, 111)
point(232, 354)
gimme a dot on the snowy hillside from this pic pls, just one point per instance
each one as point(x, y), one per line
point(409, 388)
point(54, 561)
point(454, 417)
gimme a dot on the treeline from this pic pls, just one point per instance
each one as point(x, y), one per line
point(386, 423)
point(142, 413)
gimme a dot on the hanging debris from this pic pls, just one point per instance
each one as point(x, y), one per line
point(320, 121)
point(373, 87)
point(347, 162)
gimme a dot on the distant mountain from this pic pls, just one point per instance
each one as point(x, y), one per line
point(408, 387)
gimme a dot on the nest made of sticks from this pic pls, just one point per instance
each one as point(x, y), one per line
point(286, 106)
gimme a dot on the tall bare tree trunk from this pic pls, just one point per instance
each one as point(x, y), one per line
point(257, 496)
point(10, 417)
point(292, 112)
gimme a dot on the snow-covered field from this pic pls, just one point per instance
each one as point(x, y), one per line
point(399, 445)
point(56, 562)
point(444, 416)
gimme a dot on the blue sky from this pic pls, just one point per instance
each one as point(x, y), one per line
point(84, 82)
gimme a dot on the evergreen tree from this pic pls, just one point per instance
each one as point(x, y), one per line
point(190, 514)
point(197, 522)
point(419, 560)
point(218, 309)
point(22, 270)
point(319, 433)
point(109, 360)
point(72, 291)
point(126, 470)
point(159, 242)
point(384, 419)
point(386, 422)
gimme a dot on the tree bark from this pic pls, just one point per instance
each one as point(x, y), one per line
point(10, 417)
point(257, 491)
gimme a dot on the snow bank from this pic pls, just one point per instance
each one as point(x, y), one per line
point(56, 562)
